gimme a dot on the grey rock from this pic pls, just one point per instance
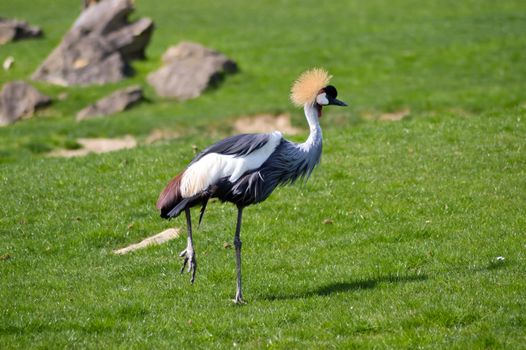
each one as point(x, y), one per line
point(12, 29)
point(99, 46)
point(189, 69)
point(18, 99)
point(118, 101)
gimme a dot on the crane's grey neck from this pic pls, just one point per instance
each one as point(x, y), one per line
point(315, 137)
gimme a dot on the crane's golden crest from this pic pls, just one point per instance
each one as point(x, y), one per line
point(308, 85)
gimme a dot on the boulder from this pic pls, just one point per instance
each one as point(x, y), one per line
point(99, 47)
point(19, 99)
point(12, 29)
point(188, 70)
point(118, 101)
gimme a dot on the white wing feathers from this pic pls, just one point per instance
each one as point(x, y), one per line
point(214, 166)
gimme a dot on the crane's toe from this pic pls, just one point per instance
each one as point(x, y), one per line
point(239, 299)
point(189, 258)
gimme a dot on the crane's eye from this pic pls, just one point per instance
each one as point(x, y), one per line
point(322, 99)
point(331, 91)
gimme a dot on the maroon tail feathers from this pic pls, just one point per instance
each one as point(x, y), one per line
point(170, 197)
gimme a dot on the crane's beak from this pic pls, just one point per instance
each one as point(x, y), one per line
point(336, 102)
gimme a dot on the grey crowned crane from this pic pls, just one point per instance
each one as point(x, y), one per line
point(245, 169)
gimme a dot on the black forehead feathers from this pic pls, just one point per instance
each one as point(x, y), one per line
point(330, 91)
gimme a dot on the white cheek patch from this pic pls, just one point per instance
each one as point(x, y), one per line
point(322, 100)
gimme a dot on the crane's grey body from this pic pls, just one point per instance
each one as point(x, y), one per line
point(287, 163)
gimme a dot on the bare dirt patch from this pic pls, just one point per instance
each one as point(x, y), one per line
point(160, 238)
point(266, 123)
point(160, 135)
point(391, 117)
point(395, 116)
point(103, 145)
point(98, 145)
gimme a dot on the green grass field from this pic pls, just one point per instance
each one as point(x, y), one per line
point(393, 242)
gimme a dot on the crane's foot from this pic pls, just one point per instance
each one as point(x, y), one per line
point(239, 299)
point(189, 258)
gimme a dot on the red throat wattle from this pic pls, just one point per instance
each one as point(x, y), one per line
point(318, 107)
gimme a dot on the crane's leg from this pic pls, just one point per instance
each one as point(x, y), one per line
point(188, 254)
point(237, 244)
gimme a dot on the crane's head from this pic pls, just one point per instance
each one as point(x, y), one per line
point(327, 96)
point(312, 87)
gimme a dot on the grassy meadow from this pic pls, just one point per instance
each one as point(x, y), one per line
point(410, 234)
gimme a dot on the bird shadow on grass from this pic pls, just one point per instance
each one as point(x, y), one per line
point(350, 286)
